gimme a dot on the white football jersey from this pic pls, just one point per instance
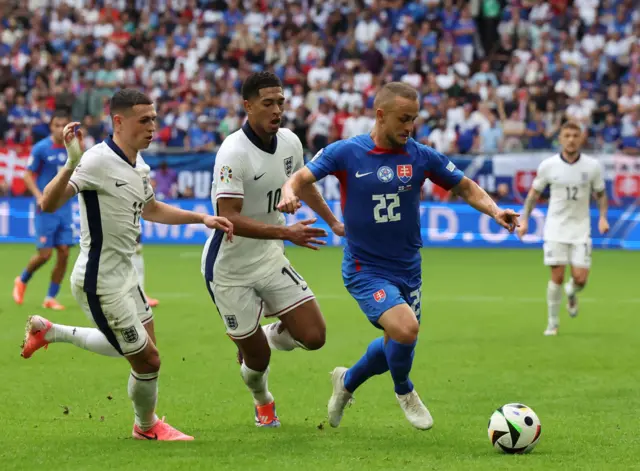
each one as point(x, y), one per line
point(112, 195)
point(245, 169)
point(568, 217)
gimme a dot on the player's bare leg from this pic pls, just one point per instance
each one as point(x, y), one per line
point(41, 257)
point(401, 334)
point(256, 355)
point(57, 275)
point(302, 327)
point(575, 284)
point(554, 299)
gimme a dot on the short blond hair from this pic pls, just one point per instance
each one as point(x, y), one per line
point(391, 90)
point(571, 125)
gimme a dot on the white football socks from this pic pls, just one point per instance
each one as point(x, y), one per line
point(554, 298)
point(571, 288)
point(143, 392)
point(279, 337)
point(84, 337)
point(256, 381)
point(138, 263)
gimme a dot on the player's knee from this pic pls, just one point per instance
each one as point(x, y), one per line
point(44, 254)
point(63, 252)
point(580, 280)
point(406, 333)
point(149, 362)
point(314, 339)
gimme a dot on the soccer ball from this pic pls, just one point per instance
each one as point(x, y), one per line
point(514, 428)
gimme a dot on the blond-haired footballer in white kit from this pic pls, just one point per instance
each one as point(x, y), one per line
point(572, 177)
point(252, 278)
point(113, 183)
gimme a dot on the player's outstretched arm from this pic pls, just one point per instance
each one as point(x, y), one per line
point(603, 207)
point(300, 233)
point(157, 211)
point(529, 204)
point(310, 195)
point(293, 189)
point(479, 199)
point(59, 190)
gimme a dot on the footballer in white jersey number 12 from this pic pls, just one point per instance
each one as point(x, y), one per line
point(571, 178)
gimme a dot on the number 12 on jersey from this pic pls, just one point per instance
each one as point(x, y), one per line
point(384, 211)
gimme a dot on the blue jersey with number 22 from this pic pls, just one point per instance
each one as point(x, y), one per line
point(381, 201)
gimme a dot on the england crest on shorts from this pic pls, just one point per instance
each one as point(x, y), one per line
point(288, 165)
point(130, 335)
point(231, 321)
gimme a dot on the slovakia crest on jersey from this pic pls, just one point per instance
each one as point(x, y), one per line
point(379, 296)
point(405, 172)
point(288, 166)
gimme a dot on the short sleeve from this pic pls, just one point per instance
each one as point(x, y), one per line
point(327, 161)
point(597, 183)
point(541, 181)
point(89, 174)
point(35, 159)
point(229, 173)
point(440, 170)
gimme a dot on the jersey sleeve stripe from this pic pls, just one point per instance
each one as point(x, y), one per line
point(149, 198)
point(75, 186)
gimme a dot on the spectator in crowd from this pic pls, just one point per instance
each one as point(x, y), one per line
point(524, 66)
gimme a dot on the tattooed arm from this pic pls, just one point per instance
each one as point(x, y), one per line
point(603, 206)
point(529, 204)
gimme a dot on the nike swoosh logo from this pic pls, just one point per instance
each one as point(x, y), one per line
point(360, 175)
point(149, 437)
point(258, 177)
point(119, 184)
point(305, 287)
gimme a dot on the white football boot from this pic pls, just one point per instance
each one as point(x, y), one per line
point(415, 411)
point(340, 397)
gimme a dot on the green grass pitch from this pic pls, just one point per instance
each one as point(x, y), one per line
point(481, 346)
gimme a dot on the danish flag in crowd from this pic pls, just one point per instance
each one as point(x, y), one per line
point(13, 163)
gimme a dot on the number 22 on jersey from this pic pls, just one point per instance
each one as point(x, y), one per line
point(385, 209)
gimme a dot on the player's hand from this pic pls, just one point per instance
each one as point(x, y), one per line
point(338, 229)
point(508, 219)
point(39, 199)
point(304, 235)
point(603, 226)
point(289, 202)
point(73, 141)
point(221, 224)
point(522, 229)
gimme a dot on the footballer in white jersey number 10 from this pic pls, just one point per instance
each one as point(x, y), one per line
point(572, 178)
point(252, 278)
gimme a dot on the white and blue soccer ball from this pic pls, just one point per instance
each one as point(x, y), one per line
point(514, 429)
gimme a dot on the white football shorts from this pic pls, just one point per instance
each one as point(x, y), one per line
point(242, 307)
point(560, 253)
point(120, 317)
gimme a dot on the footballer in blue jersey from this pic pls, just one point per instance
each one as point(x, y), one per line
point(53, 230)
point(380, 176)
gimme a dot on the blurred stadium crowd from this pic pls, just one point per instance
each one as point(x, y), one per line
point(494, 76)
